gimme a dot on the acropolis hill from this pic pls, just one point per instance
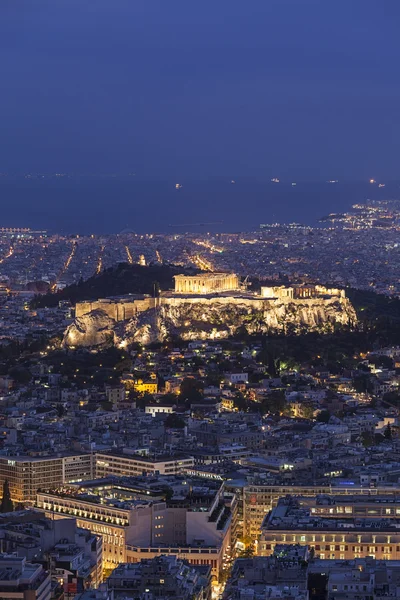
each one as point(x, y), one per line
point(208, 306)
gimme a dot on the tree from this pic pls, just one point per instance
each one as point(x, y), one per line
point(388, 432)
point(21, 375)
point(275, 402)
point(362, 383)
point(240, 402)
point(247, 552)
point(170, 398)
point(367, 439)
point(174, 421)
point(6, 502)
point(307, 412)
point(323, 416)
point(191, 389)
point(144, 400)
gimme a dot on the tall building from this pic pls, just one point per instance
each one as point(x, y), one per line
point(27, 474)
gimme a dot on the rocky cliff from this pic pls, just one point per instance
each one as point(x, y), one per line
point(210, 318)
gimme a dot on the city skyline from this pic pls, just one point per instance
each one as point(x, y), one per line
point(199, 300)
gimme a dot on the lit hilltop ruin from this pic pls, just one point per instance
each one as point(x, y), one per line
point(208, 306)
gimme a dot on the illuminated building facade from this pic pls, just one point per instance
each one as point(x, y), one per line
point(206, 283)
point(196, 524)
point(259, 499)
point(132, 465)
point(140, 385)
point(27, 474)
point(334, 528)
point(116, 525)
point(298, 292)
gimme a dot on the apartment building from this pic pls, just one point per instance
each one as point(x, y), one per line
point(63, 548)
point(132, 465)
point(283, 574)
point(27, 474)
point(334, 535)
point(194, 523)
point(258, 499)
point(163, 576)
point(21, 580)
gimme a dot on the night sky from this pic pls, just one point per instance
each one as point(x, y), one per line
point(169, 89)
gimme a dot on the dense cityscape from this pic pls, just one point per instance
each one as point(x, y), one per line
point(359, 248)
point(234, 452)
point(199, 300)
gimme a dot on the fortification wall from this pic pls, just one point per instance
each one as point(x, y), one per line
point(83, 308)
point(119, 310)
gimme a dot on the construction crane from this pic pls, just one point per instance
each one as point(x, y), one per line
point(245, 284)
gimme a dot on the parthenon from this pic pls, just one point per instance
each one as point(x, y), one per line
point(206, 283)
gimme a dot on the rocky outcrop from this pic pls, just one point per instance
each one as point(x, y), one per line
point(93, 329)
point(210, 318)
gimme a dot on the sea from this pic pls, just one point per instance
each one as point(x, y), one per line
point(107, 204)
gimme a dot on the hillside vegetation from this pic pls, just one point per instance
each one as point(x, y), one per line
point(115, 281)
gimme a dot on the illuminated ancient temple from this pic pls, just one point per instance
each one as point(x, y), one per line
point(206, 283)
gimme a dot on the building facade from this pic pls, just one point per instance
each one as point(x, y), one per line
point(21, 580)
point(119, 309)
point(194, 524)
point(206, 283)
point(335, 535)
point(26, 474)
point(298, 292)
point(163, 576)
point(132, 465)
point(258, 499)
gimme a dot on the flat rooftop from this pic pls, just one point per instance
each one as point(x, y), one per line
point(148, 459)
point(291, 515)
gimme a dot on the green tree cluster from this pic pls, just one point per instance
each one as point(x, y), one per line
point(6, 502)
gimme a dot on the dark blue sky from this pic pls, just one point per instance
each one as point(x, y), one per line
point(302, 89)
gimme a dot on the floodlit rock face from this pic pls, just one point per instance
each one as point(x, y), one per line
point(210, 318)
point(223, 317)
point(93, 329)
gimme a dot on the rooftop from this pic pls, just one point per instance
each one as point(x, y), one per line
point(291, 514)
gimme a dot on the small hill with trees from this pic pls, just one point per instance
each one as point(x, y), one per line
point(115, 281)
